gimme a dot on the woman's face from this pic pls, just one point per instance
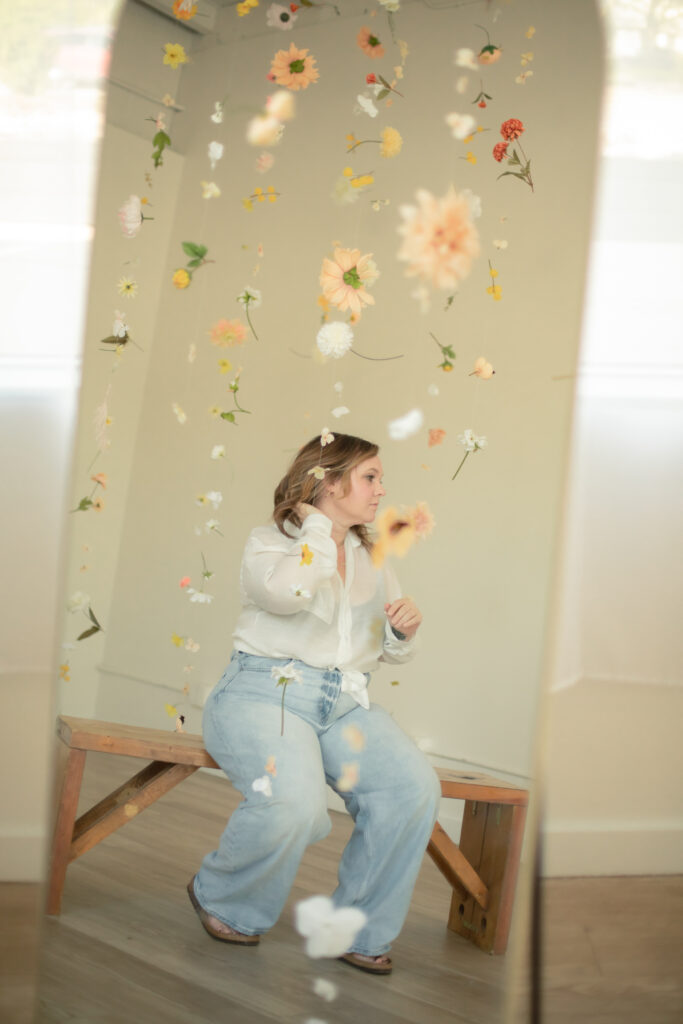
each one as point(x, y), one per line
point(359, 504)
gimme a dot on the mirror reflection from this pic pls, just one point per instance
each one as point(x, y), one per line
point(313, 223)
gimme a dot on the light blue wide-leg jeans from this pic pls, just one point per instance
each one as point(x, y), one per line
point(394, 802)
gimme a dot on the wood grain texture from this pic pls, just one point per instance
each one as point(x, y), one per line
point(134, 741)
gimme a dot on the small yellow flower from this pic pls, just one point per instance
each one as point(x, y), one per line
point(471, 158)
point(210, 190)
point(126, 286)
point(171, 710)
point(351, 141)
point(527, 58)
point(247, 203)
point(306, 555)
point(347, 172)
point(181, 279)
point(175, 55)
point(64, 672)
point(398, 71)
point(530, 32)
point(272, 195)
point(177, 640)
point(391, 143)
point(245, 7)
point(468, 139)
point(324, 303)
point(362, 180)
point(225, 365)
point(496, 291)
point(258, 195)
point(447, 367)
point(493, 272)
point(215, 411)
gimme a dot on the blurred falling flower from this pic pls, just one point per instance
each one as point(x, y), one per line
point(293, 68)
point(335, 339)
point(440, 239)
point(199, 597)
point(366, 106)
point(215, 152)
point(218, 451)
point(369, 43)
point(226, 333)
point(471, 441)
point(270, 766)
point(522, 76)
point(326, 437)
point(224, 365)
point(128, 287)
point(530, 32)
point(264, 162)
point(391, 142)
point(482, 369)
point(436, 436)
point(327, 990)
point(349, 776)
point(184, 10)
point(395, 534)
point(180, 414)
point(210, 190)
point(526, 58)
point(423, 520)
point(264, 130)
point(185, 582)
point(262, 785)
point(130, 216)
point(465, 58)
point(306, 555)
point(405, 426)
point(174, 55)
point(217, 116)
point(329, 931)
point(461, 125)
point(341, 410)
point(279, 16)
point(344, 278)
point(461, 84)
point(281, 104)
point(354, 737)
point(500, 243)
point(318, 472)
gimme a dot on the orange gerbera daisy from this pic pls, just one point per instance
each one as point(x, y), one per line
point(395, 534)
point(293, 68)
point(369, 43)
point(440, 239)
point(342, 279)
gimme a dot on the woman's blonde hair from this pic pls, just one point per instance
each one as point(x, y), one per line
point(300, 485)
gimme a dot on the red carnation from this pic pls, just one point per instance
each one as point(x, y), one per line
point(511, 129)
point(500, 150)
point(482, 103)
point(371, 79)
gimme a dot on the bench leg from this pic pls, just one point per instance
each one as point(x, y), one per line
point(70, 775)
point(491, 839)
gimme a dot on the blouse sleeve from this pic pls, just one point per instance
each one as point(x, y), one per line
point(286, 575)
point(394, 650)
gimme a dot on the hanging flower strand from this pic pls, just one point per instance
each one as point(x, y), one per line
point(383, 87)
point(511, 131)
point(250, 297)
point(472, 443)
point(182, 277)
point(447, 353)
point(260, 195)
point(390, 142)
point(234, 387)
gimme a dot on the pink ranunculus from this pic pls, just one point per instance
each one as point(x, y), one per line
point(500, 150)
point(130, 216)
point(511, 129)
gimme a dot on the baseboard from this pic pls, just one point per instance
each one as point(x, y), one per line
point(22, 855)
point(584, 849)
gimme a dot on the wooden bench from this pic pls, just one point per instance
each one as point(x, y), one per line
point(482, 868)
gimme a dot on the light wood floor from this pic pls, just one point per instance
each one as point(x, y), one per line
point(129, 948)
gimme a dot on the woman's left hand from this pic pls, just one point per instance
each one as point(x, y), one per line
point(404, 615)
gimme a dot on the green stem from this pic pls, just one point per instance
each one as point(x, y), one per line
point(460, 466)
point(284, 690)
point(246, 310)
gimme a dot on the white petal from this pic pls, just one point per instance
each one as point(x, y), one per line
point(405, 426)
point(341, 410)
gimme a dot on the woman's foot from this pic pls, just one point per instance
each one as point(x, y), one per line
point(372, 964)
point(218, 929)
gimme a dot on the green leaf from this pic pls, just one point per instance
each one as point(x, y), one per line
point(195, 263)
point(486, 95)
point(382, 93)
point(88, 632)
point(160, 140)
point(448, 351)
point(384, 81)
point(93, 619)
point(229, 416)
point(194, 250)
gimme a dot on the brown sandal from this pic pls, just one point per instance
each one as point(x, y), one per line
point(238, 939)
point(371, 966)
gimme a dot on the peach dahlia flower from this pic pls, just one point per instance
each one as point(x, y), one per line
point(343, 279)
point(293, 68)
point(440, 239)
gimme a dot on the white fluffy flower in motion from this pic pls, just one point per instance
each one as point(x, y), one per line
point(461, 125)
point(328, 930)
point(262, 785)
point(405, 426)
point(335, 339)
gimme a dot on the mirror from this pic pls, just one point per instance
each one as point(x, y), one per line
point(188, 419)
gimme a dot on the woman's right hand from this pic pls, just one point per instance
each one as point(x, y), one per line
point(304, 509)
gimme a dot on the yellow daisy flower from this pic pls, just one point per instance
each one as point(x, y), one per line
point(174, 55)
point(391, 143)
point(128, 287)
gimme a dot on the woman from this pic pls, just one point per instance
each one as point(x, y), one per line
point(291, 713)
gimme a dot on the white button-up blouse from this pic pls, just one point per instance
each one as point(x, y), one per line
point(296, 605)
